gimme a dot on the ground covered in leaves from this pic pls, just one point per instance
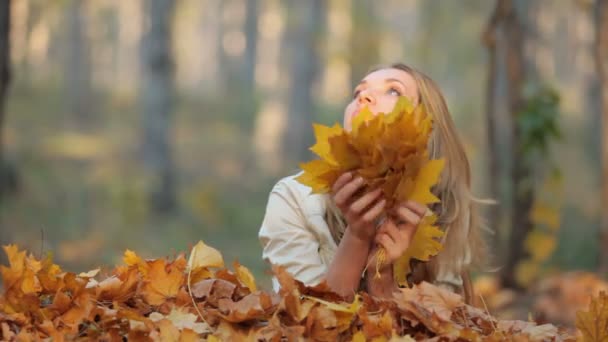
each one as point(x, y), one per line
point(189, 300)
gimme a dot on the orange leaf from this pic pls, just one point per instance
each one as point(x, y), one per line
point(161, 284)
point(593, 324)
point(168, 331)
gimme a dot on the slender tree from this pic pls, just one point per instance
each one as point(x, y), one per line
point(509, 19)
point(5, 10)
point(601, 58)
point(251, 34)
point(157, 103)
point(305, 20)
point(5, 75)
point(364, 40)
point(78, 66)
point(490, 41)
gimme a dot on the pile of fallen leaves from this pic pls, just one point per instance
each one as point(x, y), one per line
point(194, 299)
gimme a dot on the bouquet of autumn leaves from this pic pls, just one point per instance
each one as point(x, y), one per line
point(389, 151)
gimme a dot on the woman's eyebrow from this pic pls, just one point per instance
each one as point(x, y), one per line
point(360, 84)
point(388, 80)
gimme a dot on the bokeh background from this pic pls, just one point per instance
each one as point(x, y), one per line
point(150, 124)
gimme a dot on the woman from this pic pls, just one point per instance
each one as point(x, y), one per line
point(334, 237)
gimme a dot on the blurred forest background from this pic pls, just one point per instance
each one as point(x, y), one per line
point(151, 124)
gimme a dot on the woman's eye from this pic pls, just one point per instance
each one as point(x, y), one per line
point(356, 94)
point(394, 92)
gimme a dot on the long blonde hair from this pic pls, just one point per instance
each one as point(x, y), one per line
point(458, 214)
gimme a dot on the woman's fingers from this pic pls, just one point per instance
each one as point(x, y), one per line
point(394, 249)
point(372, 214)
point(416, 207)
point(341, 181)
point(408, 215)
point(386, 242)
point(365, 201)
point(395, 239)
point(344, 194)
point(388, 228)
point(402, 235)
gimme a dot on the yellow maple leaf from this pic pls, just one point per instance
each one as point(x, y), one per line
point(245, 277)
point(424, 245)
point(132, 259)
point(323, 146)
point(593, 324)
point(319, 175)
point(204, 256)
point(427, 177)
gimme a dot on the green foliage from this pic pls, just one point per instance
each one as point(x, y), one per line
point(538, 121)
point(538, 129)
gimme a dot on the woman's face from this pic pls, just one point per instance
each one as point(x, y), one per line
point(379, 91)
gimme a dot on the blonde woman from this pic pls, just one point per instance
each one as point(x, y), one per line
point(334, 237)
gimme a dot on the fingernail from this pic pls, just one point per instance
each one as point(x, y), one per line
point(359, 179)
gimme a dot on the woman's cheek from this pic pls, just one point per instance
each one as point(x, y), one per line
point(348, 117)
point(387, 103)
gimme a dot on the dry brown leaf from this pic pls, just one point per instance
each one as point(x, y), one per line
point(253, 306)
point(439, 301)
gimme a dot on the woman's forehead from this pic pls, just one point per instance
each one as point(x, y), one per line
point(388, 73)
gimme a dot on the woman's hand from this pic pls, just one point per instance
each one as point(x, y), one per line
point(397, 232)
point(361, 212)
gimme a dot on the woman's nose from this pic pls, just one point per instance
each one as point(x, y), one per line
point(366, 98)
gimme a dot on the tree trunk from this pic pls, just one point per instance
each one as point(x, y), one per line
point(157, 103)
point(490, 41)
point(78, 67)
point(5, 179)
point(5, 75)
point(601, 58)
point(364, 42)
point(302, 40)
point(251, 34)
point(522, 197)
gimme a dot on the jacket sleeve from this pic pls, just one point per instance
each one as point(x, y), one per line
point(287, 239)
